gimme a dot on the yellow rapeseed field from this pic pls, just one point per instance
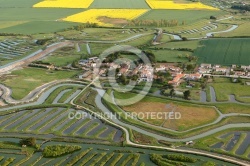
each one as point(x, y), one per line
point(170, 4)
point(97, 15)
point(64, 3)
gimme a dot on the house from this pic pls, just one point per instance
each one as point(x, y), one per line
point(175, 69)
point(93, 59)
point(240, 73)
point(161, 68)
point(204, 71)
point(83, 62)
point(189, 143)
point(196, 76)
point(206, 66)
point(234, 66)
point(246, 67)
point(216, 66)
point(124, 69)
point(177, 80)
point(221, 70)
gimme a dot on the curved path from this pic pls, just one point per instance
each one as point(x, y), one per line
point(122, 125)
point(33, 95)
point(210, 34)
point(45, 94)
point(160, 137)
point(232, 99)
point(221, 116)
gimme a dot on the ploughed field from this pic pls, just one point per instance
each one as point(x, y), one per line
point(224, 51)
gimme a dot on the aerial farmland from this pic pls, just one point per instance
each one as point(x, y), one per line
point(124, 82)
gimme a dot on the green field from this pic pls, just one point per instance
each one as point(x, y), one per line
point(126, 4)
point(27, 20)
point(30, 78)
point(17, 4)
point(189, 16)
point(193, 44)
point(224, 51)
point(224, 87)
point(171, 56)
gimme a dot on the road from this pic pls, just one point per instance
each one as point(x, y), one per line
point(122, 126)
point(33, 57)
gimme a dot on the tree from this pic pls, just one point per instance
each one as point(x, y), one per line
point(172, 93)
point(213, 18)
point(190, 67)
point(28, 141)
point(184, 39)
point(186, 94)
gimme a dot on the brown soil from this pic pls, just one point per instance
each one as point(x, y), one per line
point(109, 20)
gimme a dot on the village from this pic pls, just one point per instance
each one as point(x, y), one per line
point(146, 73)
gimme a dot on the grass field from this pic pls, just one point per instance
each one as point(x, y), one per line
point(35, 27)
point(113, 4)
point(28, 20)
point(223, 90)
point(191, 115)
point(241, 31)
point(171, 56)
point(193, 44)
point(30, 78)
point(18, 4)
point(63, 57)
point(188, 16)
point(224, 51)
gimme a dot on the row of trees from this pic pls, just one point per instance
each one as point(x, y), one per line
point(241, 7)
point(180, 157)
point(58, 150)
point(158, 23)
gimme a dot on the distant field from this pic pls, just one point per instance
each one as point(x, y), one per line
point(179, 5)
point(35, 27)
point(19, 3)
point(106, 17)
point(29, 20)
point(180, 15)
point(126, 4)
point(224, 51)
point(64, 4)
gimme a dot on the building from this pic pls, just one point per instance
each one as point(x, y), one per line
point(196, 76)
point(177, 80)
point(206, 66)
